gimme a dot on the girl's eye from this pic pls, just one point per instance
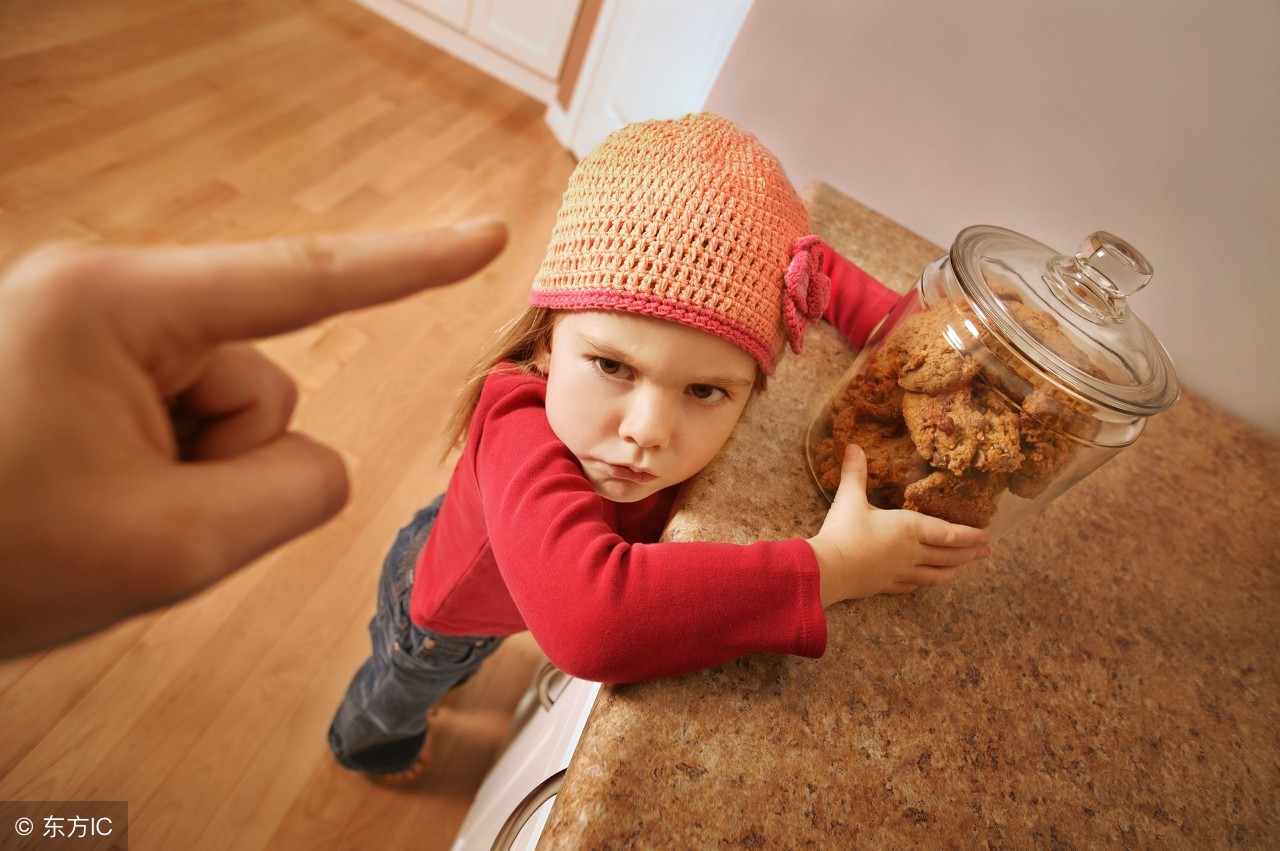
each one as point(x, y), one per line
point(707, 393)
point(609, 367)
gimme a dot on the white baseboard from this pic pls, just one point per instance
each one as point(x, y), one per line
point(560, 123)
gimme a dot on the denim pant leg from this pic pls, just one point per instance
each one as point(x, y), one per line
point(381, 724)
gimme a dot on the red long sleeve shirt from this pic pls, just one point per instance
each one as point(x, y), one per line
point(522, 541)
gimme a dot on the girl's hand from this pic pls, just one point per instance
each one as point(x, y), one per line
point(863, 550)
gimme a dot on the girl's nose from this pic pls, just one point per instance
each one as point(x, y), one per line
point(647, 420)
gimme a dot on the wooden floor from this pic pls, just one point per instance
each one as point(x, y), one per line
point(213, 120)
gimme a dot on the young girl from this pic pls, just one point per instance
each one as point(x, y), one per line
point(680, 266)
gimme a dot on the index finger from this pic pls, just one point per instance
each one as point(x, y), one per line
point(252, 290)
point(939, 533)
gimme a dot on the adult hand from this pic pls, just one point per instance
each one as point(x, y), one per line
point(144, 447)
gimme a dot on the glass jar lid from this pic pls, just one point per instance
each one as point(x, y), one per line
point(1099, 350)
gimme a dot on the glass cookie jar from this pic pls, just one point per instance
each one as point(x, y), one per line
point(1009, 373)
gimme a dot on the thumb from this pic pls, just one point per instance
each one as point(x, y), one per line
point(853, 478)
point(238, 509)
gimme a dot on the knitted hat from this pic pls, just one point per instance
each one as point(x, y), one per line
point(693, 221)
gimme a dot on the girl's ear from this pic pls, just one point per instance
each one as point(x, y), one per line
point(542, 358)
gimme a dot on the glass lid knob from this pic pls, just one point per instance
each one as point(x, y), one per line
point(1097, 282)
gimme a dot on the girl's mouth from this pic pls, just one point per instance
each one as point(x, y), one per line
point(630, 474)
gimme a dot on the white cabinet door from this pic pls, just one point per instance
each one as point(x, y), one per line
point(532, 32)
point(452, 12)
point(542, 742)
point(648, 59)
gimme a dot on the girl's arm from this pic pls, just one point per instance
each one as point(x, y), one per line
point(604, 609)
point(858, 301)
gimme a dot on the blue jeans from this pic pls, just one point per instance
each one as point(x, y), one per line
point(382, 723)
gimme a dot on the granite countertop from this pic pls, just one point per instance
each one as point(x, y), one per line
point(1107, 678)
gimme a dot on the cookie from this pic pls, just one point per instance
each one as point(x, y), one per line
point(968, 427)
point(874, 393)
point(892, 460)
point(1048, 331)
point(969, 500)
point(926, 361)
point(1045, 450)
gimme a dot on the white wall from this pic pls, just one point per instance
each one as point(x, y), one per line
point(1158, 120)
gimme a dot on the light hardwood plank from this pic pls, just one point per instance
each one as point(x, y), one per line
point(185, 122)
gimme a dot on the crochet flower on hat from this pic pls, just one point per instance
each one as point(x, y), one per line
point(808, 289)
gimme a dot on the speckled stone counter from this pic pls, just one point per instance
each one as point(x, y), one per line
point(1108, 678)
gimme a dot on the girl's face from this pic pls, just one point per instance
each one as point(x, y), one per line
point(642, 403)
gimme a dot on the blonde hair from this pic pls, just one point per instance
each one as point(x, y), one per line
point(522, 342)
